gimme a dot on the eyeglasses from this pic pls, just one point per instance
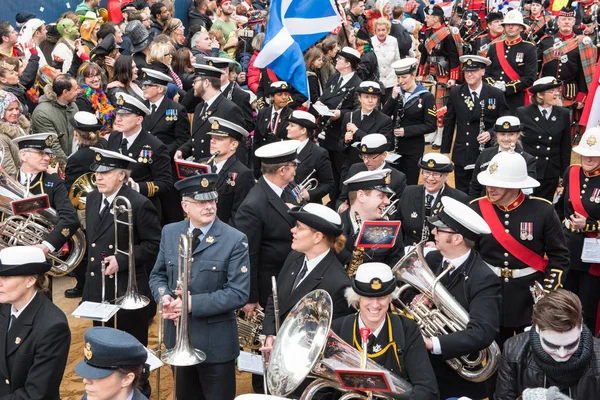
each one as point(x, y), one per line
point(368, 157)
point(448, 231)
point(202, 203)
point(427, 174)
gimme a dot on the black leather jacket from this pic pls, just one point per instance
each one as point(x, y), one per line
point(519, 371)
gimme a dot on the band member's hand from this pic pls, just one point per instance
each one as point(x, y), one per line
point(399, 132)
point(178, 156)
point(133, 184)
point(578, 220)
point(44, 248)
point(451, 82)
point(348, 137)
point(241, 78)
point(248, 309)
point(173, 310)
point(578, 105)
point(268, 347)
point(167, 306)
point(336, 114)
point(179, 293)
point(305, 195)
point(395, 92)
point(428, 343)
point(343, 207)
point(111, 265)
point(351, 127)
point(422, 299)
point(484, 137)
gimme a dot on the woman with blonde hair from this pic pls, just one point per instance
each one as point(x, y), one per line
point(387, 52)
point(160, 57)
point(12, 125)
point(176, 31)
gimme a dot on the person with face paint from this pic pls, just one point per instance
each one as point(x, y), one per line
point(62, 55)
point(559, 350)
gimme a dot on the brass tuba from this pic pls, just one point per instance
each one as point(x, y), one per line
point(448, 315)
point(33, 228)
point(306, 345)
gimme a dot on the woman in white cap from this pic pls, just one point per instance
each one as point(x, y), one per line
point(547, 134)
point(395, 342)
point(508, 131)
point(580, 207)
point(34, 332)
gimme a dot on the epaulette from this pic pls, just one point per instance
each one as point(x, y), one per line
point(540, 198)
point(477, 199)
point(527, 41)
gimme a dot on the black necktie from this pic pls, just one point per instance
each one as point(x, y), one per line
point(447, 278)
point(428, 201)
point(204, 108)
point(196, 237)
point(274, 122)
point(545, 113)
point(213, 169)
point(371, 342)
point(301, 274)
point(13, 318)
point(105, 208)
point(124, 146)
point(475, 97)
point(153, 108)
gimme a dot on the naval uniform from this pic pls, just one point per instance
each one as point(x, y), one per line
point(270, 127)
point(313, 157)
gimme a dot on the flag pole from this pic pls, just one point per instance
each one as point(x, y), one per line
point(343, 28)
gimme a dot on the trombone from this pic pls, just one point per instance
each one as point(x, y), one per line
point(309, 183)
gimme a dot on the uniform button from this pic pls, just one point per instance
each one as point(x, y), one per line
point(202, 141)
point(7, 382)
point(193, 149)
point(547, 159)
point(539, 137)
point(550, 138)
point(586, 179)
point(506, 223)
point(467, 133)
point(92, 259)
point(110, 246)
point(193, 140)
point(467, 143)
point(93, 244)
point(92, 274)
point(505, 254)
point(502, 72)
point(506, 215)
point(536, 157)
point(584, 185)
point(583, 191)
point(214, 268)
point(506, 230)
point(506, 263)
point(548, 148)
point(537, 147)
point(111, 276)
point(468, 123)
point(414, 232)
point(130, 155)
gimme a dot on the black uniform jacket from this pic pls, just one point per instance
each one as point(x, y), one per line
point(266, 132)
point(313, 157)
point(389, 256)
point(405, 346)
point(328, 275)
point(397, 181)
point(522, 57)
point(446, 55)
point(570, 72)
point(33, 354)
point(466, 120)
point(241, 99)
point(411, 210)
point(475, 287)
point(154, 175)
point(337, 98)
point(170, 123)
point(475, 188)
point(375, 122)
point(548, 140)
point(101, 241)
point(79, 162)
point(536, 217)
point(68, 223)
point(199, 144)
point(233, 185)
point(417, 116)
point(264, 218)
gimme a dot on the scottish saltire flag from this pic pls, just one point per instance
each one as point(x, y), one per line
point(294, 26)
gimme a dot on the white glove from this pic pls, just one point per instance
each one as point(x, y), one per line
point(500, 85)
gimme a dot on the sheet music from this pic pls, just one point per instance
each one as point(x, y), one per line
point(322, 109)
point(249, 362)
point(95, 311)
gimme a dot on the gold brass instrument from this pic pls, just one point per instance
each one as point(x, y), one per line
point(33, 228)
point(358, 254)
point(307, 347)
point(309, 183)
point(250, 329)
point(132, 299)
point(391, 209)
point(446, 317)
point(81, 188)
point(183, 354)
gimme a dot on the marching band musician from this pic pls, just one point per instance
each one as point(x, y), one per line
point(456, 229)
point(546, 134)
point(112, 365)
point(301, 126)
point(413, 111)
point(509, 131)
point(581, 212)
point(473, 108)
point(151, 174)
point(112, 174)
point(496, 33)
point(311, 265)
point(527, 243)
point(538, 22)
point(338, 96)
point(395, 341)
point(513, 65)
point(368, 196)
point(34, 333)
point(207, 86)
point(439, 59)
point(421, 201)
point(219, 284)
point(35, 152)
point(373, 153)
point(558, 352)
point(363, 121)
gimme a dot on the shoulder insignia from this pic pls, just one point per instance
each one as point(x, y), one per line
point(455, 30)
point(476, 200)
point(528, 42)
point(587, 40)
point(539, 198)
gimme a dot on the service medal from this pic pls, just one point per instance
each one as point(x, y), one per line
point(564, 58)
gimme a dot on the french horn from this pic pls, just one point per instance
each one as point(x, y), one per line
point(446, 317)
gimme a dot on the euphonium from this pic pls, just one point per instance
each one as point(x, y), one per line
point(448, 315)
point(306, 346)
point(31, 229)
point(358, 254)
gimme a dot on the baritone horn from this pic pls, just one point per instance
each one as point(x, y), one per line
point(392, 208)
point(309, 183)
point(306, 346)
point(446, 317)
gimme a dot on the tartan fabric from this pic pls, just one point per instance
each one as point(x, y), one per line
point(588, 53)
point(483, 50)
point(436, 38)
point(554, 53)
point(459, 42)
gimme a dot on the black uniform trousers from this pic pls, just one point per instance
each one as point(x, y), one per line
point(462, 178)
point(409, 164)
point(206, 381)
point(130, 321)
point(547, 188)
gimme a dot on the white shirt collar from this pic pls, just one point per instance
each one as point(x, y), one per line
point(382, 166)
point(219, 166)
point(434, 194)
point(205, 228)
point(18, 313)
point(312, 264)
point(223, 87)
point(130, 397)
point(549, 109)
point(130, 139)
point(110, 198)
point(457, 262)
point(23, 177)
point(478, 90)
point(157, 103)
point(346, 78)
point(302, 145)
point(377, 331)
point(212, 100)
point(278, 191)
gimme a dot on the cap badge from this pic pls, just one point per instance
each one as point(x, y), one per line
point(65, 232)
point(98, 157)
point(493, 168)
point(244, 269)
point(364, 148)
point(370, 89)
point(284, 86)
point(49, 141)
point(215, 125)
point(17, 340)
point(210, 239)
point(431, 163)
point(506, 125)
point(120, 101)
point(204, 183)
point(388, 179)
point(376, 284)
point(469, 61)
point(87, 351)
point(591, 141)
point(210, 63)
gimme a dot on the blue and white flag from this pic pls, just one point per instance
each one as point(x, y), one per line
point(294, 26)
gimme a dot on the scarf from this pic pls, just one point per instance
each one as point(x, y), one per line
point(563, 374)
point(100, 103)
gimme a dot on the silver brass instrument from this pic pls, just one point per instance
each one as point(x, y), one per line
point(391, 209)
point(309, 183)
point(306, 346)
point(482, 124)
point(33, 228)
point(183, 354)
point(132, 299)
point(250, 329)
point(446, 317)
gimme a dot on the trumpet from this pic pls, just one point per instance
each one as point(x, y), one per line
point(391, 209)
point(309, 183)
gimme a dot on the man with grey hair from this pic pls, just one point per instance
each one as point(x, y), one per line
point(203, 46)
